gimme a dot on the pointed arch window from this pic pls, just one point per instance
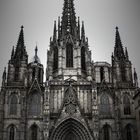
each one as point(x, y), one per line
point(101, 74)
point(123, 72)
point(16, 73)
point(13, 105)
point(55, 58)
point(12, 133)
point(83, 59)
point(34, 132)
point(126, 102)
point(104, 105)
point(106, 132)
point(128, 132)
point(35, 104)
point(69, 55)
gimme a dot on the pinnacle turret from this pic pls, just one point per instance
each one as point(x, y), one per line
point(13, 52)
point(83, 32)
point(118, 52)
point(126, 54)
point(78, 30)
point(4, 77)
point(54, 32)
point(59, 28)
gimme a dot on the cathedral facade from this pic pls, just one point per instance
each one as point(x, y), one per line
point(79, 100)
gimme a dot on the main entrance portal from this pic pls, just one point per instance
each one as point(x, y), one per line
point(70, 129)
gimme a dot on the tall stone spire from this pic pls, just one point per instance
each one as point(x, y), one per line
point(20, 42)
point(118, 51)
point(20, 51)
point(68, 18)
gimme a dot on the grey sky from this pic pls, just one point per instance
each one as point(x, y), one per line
point(100, 17)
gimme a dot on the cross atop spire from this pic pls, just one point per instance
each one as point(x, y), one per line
point(118, 52)
point(68, 18)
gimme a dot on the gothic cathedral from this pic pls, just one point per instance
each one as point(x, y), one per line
point(79, 100)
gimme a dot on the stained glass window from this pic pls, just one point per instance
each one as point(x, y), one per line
point(104, 105)
point(35, 104)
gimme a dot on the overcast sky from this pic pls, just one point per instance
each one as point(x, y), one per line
point(100, 17)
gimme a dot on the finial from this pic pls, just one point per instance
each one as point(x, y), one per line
point(135, 78)
point(4, 75)
point(36, 50)
point(117, 28)
point(22, 27)
point(59, 28)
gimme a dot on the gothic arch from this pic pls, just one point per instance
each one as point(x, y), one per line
point(126, 104)
point(106, 132)
point(129, 132)
point(34, 132)
point(106, 104)
point(70, 129)
point(12, 130)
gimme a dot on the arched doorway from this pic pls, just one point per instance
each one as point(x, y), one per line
point(70, 129)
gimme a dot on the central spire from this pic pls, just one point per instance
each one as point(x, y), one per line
point(69, 18)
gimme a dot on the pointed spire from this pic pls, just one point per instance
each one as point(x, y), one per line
point(83, 32)
point(4, 77)
point(54, 32)
point(13, 52)
point(20, 42)
point(20, 51)
point(78, 31)
point(68, 18)
point(59, 28)
point(126, 54)
point(118, 52)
